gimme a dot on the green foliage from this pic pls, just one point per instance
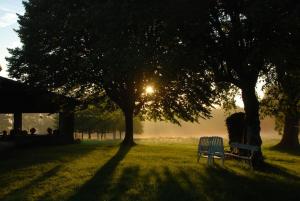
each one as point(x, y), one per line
point(95, 119)
point(278, 103)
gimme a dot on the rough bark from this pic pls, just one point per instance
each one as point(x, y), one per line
point(251, 107)
point(291, 131)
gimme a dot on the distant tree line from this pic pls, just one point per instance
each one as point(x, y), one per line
point(94, 120)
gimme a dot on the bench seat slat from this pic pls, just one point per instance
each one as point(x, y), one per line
point(244, 146)
point(238, 156)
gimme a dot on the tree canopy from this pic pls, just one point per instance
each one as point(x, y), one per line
point(239, 41)
point(92, 49)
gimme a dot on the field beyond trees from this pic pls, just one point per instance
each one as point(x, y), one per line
point(160, 169)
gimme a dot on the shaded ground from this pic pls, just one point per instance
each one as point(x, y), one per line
point(153, 170)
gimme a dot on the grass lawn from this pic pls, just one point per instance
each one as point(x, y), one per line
point(152, 170)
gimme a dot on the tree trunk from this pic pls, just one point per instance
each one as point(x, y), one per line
point(251, 107)
point(114, 135)
point(120, 133)
point(128, 139)
point(291, 130)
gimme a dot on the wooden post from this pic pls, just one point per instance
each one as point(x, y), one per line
point(114, 135)
point(66, 126)
point(18, 121)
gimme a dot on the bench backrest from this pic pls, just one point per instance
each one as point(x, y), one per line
point(204, 144)
point(211, 144)
point(251, 148)
point(217, 144)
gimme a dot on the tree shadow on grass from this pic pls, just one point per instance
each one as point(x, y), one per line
point(222, 184)
point(97, 187)
point(19, 158)
point(280, 171)
point(173, 186)
point(291, 151)
point(125, 183)
point(217, 184)
point(21, 193)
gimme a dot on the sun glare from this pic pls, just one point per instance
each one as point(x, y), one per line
point(149, 90)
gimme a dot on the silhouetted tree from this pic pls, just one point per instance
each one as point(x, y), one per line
point(90, 49)
point(284, 107)
point(235, 40)
point(282, 100)
point(282, 80)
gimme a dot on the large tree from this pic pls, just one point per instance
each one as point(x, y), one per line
point(235, 39)
point(283, 80)
point(90, 49)
point(284, 105)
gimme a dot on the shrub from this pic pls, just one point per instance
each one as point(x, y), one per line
point(236, 127)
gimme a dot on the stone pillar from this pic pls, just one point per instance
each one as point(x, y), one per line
point(18, 121)
point(66, 126)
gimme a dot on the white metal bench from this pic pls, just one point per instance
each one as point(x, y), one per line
point(211, 147)
point(236, 146)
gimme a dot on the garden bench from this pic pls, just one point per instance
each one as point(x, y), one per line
point(236, 146)
point(211, 147)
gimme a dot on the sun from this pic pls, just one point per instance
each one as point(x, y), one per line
point(149, 90)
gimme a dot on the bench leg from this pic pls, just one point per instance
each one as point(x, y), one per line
point(250, 163)
point(210, 160)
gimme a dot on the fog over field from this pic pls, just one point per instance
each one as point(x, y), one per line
point(214, 126)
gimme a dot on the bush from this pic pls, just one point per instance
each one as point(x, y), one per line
point(236, 127)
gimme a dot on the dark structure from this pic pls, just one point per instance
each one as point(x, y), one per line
point(236, 126)
point(18, 98)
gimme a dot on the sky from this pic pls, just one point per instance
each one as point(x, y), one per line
point(8, 22)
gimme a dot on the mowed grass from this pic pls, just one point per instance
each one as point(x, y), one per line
point(155, 169)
